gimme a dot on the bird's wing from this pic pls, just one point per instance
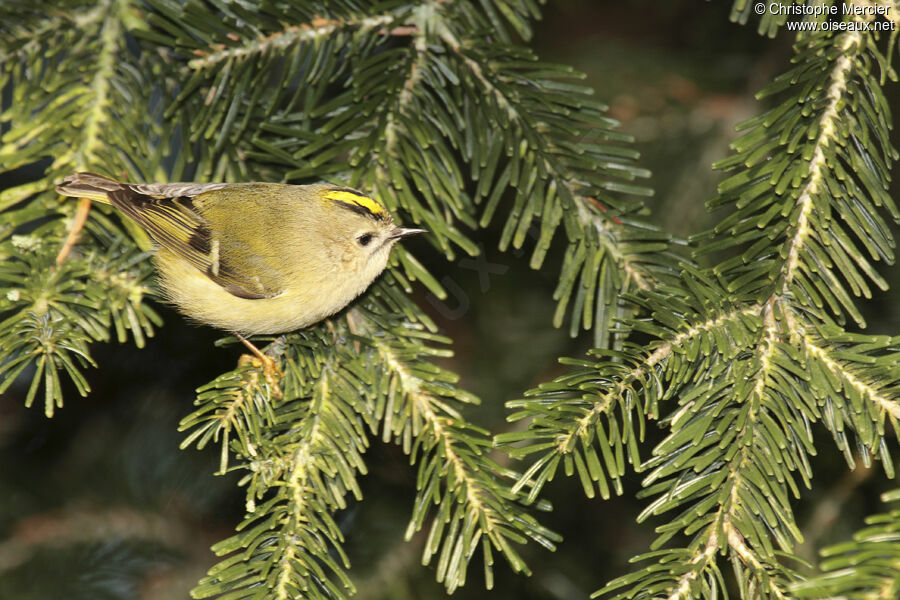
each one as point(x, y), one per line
point(172, 214)
point(174, 190)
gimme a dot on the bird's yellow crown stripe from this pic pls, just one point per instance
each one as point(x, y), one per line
point(357, 199)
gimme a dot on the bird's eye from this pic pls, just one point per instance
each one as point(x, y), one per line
point(364, 239)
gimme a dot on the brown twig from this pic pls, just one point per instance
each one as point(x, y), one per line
point(603, 208)
point(81, 215)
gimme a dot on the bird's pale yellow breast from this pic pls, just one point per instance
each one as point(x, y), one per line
point(203, 300)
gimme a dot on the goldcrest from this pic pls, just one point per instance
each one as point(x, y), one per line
point(255, 258)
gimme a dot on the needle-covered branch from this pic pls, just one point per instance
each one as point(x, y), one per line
point(447, 128)
point(367, 370)
point(77, 101)
point(301, 457)
point(463, 492)
point(748, 350)
point(863, 568)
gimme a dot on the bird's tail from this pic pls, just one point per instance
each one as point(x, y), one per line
point(88, 185)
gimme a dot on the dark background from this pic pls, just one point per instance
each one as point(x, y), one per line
point(99, 502)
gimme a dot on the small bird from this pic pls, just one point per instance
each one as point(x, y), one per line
point(254, 258)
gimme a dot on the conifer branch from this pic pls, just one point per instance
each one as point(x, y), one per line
point(555, 176)
point(302, 472)
point(698, 563)
point(279, 41)
point(232, 408)
point(731, 499)
point(850, 44)
point(301, 459)
point(825, 237)
point(436, 430)
point(877, 392)
point(784, 372)
point(473, 502)
point(404, 99)
point(865, 568)
point(769, 22)
point(302, 456)
point(81, 111)
point(98, 114)
point(569, 409)
point(450, 128)
point(606, 230)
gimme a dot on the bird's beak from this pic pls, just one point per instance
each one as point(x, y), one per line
point(401, 232)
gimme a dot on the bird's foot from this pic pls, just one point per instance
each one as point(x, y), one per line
point(270, 370)
point(268, 365)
